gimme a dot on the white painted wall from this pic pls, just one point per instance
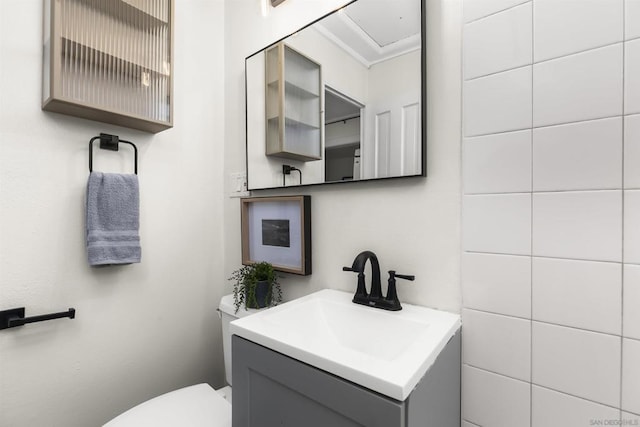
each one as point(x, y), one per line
point(140, 330)
point(413, 225)
point(551, 235)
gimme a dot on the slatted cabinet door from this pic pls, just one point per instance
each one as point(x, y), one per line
point(110, 60)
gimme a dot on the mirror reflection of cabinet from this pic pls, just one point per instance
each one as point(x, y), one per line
point(293, 99)
point(373, 54)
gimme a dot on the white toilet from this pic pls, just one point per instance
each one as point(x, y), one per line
point(193, 406)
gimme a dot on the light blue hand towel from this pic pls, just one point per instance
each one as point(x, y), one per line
point(113, 219)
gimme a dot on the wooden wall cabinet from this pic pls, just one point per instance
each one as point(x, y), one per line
point(293, 104)
point(110, 61)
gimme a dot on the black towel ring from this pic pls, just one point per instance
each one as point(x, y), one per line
point(111, 142)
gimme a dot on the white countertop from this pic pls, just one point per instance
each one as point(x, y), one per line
point(385, 351)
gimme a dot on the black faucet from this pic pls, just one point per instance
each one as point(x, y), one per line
point(375, 298)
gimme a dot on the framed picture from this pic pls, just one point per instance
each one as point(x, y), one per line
point(277, 230)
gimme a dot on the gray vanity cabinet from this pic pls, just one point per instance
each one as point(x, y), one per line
point(271, 389)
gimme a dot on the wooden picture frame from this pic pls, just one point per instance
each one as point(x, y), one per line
point(277, 230)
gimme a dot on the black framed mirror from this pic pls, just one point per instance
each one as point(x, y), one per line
point(343, 99)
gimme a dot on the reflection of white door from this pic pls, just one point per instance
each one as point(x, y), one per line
point(396, 139)
point(393, 120)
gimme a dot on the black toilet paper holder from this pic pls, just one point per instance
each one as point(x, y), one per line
point(14, 317)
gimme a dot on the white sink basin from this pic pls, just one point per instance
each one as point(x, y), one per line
point(384, 351)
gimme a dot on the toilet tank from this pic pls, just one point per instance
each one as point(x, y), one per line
point(228, 314)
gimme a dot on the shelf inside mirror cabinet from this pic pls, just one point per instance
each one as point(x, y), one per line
point(293, 109)
point(110, 61)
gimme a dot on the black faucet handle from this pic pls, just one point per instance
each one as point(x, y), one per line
point(393, 274)
point(361, 296)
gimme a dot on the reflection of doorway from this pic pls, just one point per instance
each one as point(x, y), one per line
point(342, 131)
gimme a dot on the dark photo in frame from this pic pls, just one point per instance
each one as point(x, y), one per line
point(277, 230)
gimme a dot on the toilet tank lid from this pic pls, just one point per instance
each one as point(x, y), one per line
point(226, 306)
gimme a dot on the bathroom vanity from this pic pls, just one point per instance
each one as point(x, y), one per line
point(324, 361)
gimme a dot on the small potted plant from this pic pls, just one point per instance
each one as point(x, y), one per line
point(256, 286)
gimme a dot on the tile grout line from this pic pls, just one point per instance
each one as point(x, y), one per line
point(524, 129)
point(550, 323)
point(624, 44)
point(575, 396)
point(593, 190)
point(498, 12)
point(581, 190)
point(533, 256)
point(495, 73)
point(566, 55)
point(533, 63)
point(575, 122)
point(460, 217)
point(531, 221)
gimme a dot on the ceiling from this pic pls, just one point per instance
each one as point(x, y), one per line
point(375, 30)
point(338, 107)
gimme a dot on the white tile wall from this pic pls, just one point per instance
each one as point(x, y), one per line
point(543, 231)
point(500, 344)
point(580, 363)
point(474, 9)
point(632, 77)
point(582, 294)
point(632, 226)
point(631, 308)
point(578, 156)
point(579, 87)
point(566, 27)
point(497, 283)
point(632, 151)
point(550, 408)
point(498, 163)
point(499, 42)
point(631, 375)
point(498, 103)
point(497, 223)
point(492, 400)
point(632, 19)
point(580, 225)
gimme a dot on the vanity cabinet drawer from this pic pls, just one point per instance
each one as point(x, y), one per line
point(271, 389)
